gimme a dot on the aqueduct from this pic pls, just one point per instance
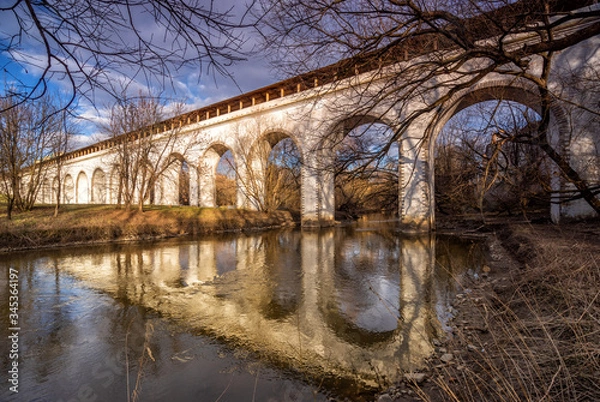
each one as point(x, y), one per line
point(321, 105)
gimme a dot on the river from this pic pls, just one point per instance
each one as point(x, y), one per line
point(267, 316)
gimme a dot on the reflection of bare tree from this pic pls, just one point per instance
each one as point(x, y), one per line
point(59, 325)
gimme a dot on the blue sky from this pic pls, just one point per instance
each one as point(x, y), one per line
point(191, 86)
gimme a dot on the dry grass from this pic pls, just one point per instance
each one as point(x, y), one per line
point(532, 331)
point(103, 223)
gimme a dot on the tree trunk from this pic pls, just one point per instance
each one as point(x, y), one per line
point(9, 209)
point(57, 205)
point(558, 158)
point(572, 176)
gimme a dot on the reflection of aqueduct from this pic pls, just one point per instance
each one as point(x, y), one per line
point(306, 299)
point(315, 106)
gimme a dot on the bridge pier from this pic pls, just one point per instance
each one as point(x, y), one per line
point(194, 190)
point(416, 209)
point(318, 199)
point(206, 179)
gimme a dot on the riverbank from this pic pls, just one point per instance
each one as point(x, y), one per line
point(527, 327)
point(88, 224)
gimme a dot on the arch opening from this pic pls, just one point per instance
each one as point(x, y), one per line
point(224, 171)
point(99, 187)
point(283, 175)
point(366, 170)
point(184, 183)
point(271, 176)
point(174, 182)
point(485, 162)
point(115, 186)
point(46, 192)
point(55, 190)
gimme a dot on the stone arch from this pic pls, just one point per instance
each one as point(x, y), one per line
point(175, 181)
point(46, 192)
point(69, 190)
point(519, 91)
point(338, 136)
point(274, 136)
point(500, 89)
point(207, 173)
point(259, 179)
point(99, 187)
point(82, 195)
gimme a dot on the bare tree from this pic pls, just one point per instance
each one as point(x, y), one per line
point(27, 131)
point(366, 178)
point(457, 172)
point(225, 190)
point(144, 148)
point(86, 44)
point(59, 145)
point(268, 172)
point(479, 169)
point(439, 49)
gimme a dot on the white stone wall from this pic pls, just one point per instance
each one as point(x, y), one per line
point(311, 116)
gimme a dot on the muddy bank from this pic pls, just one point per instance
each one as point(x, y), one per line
point(103, 224)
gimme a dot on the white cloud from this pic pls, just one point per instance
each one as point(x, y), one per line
point(83, 140)
point(192, 86)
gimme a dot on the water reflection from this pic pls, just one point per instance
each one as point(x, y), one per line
point(361, 297)
point(79, 344)
point(353, 303)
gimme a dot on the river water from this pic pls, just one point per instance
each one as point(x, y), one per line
point(283, 315)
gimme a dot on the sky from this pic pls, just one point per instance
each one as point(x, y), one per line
point(191, 86)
